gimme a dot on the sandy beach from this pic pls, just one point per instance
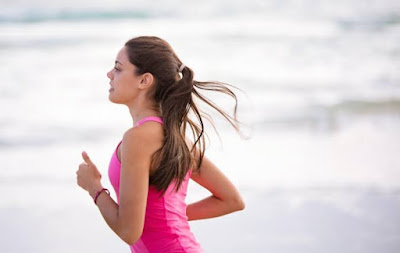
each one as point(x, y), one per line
point(301, 220)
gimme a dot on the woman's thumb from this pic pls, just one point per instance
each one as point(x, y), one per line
point(86, 158)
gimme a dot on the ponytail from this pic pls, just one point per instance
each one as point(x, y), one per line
point(174, 97)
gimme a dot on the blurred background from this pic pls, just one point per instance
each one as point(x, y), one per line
point(319, 173)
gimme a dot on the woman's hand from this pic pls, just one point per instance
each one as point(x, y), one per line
point(88, 176)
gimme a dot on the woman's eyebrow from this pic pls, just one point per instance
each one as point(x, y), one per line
point(118, 62)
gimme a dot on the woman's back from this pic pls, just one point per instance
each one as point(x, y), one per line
point(166, 227)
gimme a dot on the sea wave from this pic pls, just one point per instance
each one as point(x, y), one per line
point(34, 15)
point(332, 117)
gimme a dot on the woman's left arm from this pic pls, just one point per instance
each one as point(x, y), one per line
point(127, 218)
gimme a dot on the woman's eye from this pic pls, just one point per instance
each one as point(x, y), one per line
point(116, 69)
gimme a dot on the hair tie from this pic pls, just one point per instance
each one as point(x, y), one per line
point(181, 67)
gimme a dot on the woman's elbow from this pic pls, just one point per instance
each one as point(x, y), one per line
point(238, 204)
point(241, 205)
point(130, 241)
point(130, 237)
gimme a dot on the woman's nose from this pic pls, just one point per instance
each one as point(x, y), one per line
point(109, 74)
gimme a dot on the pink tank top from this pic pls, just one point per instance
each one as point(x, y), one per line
point(166, 228)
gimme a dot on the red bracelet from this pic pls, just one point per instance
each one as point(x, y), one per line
point(98, 193)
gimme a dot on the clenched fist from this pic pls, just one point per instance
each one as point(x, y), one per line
point(88, 176)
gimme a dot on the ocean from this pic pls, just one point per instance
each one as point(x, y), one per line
point(320, 102)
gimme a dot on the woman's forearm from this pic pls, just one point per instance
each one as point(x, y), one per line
point(109, 210)
point(212, 207)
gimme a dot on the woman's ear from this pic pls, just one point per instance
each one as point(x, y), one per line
point(147, 81)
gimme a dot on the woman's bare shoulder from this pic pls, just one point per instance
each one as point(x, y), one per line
point(149, 134)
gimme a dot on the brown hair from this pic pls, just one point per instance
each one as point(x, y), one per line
point(173, 96)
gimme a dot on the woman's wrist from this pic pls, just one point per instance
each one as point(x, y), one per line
point(93, 190)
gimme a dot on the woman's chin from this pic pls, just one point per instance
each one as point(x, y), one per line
point(110, 97)
point(113, 100)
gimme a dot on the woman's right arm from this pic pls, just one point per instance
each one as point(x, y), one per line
point(225, 197)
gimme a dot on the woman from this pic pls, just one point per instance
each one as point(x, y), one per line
point(151, 166)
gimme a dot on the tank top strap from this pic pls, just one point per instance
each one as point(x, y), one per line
point(151, 118)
